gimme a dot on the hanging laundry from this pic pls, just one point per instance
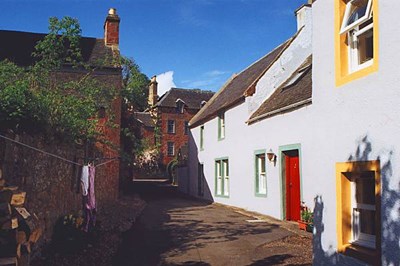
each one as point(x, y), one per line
point(85, 180)
point(91, 204)
point(90, 201)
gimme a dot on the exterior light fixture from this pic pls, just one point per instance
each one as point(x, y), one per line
point(271, 156)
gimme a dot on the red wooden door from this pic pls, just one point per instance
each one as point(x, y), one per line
point(292, 188)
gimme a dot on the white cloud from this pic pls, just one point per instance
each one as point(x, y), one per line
point(165, 82)
point(215, 73)
point(211, 80)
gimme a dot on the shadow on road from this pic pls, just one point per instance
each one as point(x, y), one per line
point(172, 225)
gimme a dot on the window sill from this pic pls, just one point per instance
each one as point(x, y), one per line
point(221, 196)
point(261, 195)
point(360, 73)
point(362, 253)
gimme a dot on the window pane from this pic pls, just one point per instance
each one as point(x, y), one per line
point(219, 178)
point(367, 221)
point(226, 167)
point(365, 46)
point(262, 162)
point(170, 148)
point(262, 184)
point(226, 186)
point(358, 10)
point(365, 188)
point(171, 126)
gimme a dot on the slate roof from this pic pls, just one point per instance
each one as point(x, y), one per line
point(233, 92)
point(17, 46)
point(144, 118)
point(191, 97)
point(294, 93)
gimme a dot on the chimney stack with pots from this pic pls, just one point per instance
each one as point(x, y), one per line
point(304, 15)
point(111, 29)
point(153, 97)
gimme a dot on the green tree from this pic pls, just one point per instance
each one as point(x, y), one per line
point(135, 92)
point(35, 97)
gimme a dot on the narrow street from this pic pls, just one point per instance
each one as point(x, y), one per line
point(174, 230)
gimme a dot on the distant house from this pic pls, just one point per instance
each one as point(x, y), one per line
point(145, 126)
point(171, 113)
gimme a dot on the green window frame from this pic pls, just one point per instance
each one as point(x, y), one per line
point(202, 137)
point(221, 126)
point(222, 178)
point(260, 169)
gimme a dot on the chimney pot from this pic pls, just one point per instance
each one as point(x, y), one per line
point(112, 11)
point(111, 29)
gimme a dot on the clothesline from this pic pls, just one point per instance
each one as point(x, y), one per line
point(54, 155)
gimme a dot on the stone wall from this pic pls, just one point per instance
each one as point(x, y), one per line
point(52, 185)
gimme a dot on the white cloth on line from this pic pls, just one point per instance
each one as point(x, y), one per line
point(85, 180)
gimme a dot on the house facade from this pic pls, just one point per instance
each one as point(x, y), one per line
point(274, 145)
point(355, 94)
point(172, 113)
point(233, 134)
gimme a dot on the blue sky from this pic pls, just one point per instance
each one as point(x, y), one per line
point(195, 43)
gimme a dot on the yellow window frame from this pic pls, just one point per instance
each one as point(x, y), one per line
point(342, 73)
point(343, 207)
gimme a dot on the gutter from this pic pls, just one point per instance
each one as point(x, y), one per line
point(280, 110)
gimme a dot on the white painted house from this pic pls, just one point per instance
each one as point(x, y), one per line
point(333, 147)
point(233, 132)
point(356, 151)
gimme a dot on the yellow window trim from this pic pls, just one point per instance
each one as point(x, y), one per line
point(343, 205)
point(342, 74)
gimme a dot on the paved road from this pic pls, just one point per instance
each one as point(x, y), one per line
point(174, 230)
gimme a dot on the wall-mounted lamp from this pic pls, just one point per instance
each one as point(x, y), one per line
point(271, 156)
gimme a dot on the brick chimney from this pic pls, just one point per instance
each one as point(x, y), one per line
point(153, 97)
point(111, 29)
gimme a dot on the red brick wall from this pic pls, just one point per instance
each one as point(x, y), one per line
point(179, 138)
point(148, 135)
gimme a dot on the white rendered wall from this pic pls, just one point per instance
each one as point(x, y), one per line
point(358, 121)
point(287, 63)
point(239, 145)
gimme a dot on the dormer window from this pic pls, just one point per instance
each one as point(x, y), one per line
point(358, 25)
point(180, 106)
point(202, 104)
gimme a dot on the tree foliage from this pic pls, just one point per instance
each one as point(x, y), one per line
point(37, 99)
point(135, 92)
